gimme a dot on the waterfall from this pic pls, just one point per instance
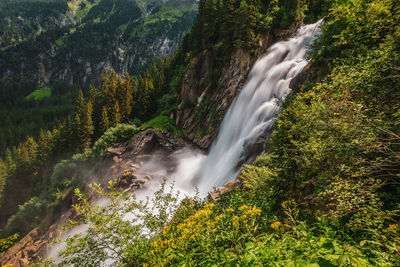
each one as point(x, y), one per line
point(251, 115)
point(255, 109)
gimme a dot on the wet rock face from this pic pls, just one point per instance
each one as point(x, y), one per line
point(202, 106)
point(129, 181)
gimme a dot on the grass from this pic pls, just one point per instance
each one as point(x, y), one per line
point(123, 27)
point(39, 94)
point(59, 42)
point(162, 123)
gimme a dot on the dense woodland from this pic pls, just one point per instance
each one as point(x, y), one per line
point(324, 193)
point(50, 46)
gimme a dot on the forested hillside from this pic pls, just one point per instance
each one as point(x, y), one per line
point(324, 191)
point(50, 49)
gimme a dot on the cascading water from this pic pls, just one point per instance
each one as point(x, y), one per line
point(255, 108)
point(251, 115)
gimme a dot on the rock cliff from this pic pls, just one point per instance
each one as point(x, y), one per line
point(202, 105)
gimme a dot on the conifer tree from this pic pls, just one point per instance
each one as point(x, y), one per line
point(104, 122)
point(124, 96)
point(84, 129)
point(76, 141)
point(3, 179)
point(9, 160)
point(46, 144)
point(27, 153)
point(80, 103)
point(245, 25)
point(87, 125)
point(116, 115)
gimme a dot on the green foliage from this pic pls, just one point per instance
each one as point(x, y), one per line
point(326, 191)
point(207, 238)
point(39, 94)
point(119, 134)
point(21, 117)
point(3, 178)
point(29, 215)
point(167, 103)
point(7, 242)
point(110, 233)
point(162, 123)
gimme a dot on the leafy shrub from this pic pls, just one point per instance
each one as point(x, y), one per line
point(166, 104)
point(110, 234)
point(118, 134)
point(28, 216)
point(7, 242)
point(206, 238)
point(62, 173)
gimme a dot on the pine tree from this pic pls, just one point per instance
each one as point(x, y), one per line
point(77, 130)
point(229, 15)
point(245, 24)
point(116, 115)
point(92, 93)
point(84, 128)
point(45, 146)
point(3, 179)
point(27, 153)
point(10, 160)
point(124, 96)
point(104, 122)
point(87, 125)
point(80, 103)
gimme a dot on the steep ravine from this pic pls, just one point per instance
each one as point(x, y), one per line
point(150, 144)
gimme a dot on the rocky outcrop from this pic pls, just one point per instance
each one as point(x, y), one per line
point(204, 105)
point(216, 194)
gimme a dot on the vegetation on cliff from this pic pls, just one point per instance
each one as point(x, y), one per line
point(64, 46)
point(326, 190)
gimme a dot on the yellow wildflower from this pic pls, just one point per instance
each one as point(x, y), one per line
point(288, 203)
point(276, 225)
point(209, 206)
point(229, 210)
point(393, 227)
point(244, 207)
point(165, 230)
point(253, 212)
point(235, 220)
point(219, 217)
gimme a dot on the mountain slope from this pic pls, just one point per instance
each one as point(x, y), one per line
point(79, 40)
point(57, 47)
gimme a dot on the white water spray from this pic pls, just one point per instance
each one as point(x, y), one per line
point(256, 107)
point(251, 115)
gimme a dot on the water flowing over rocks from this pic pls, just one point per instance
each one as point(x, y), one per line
point(196, 94)
point(255, 109)
point(247, 122)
